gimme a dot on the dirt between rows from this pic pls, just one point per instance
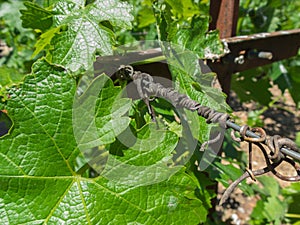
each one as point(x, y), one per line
point(282, 119)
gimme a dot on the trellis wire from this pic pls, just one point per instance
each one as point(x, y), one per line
point(280, 148)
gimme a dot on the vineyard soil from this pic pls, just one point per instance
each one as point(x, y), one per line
point(282, 119)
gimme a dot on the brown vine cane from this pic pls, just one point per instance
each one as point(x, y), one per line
point(275, 149)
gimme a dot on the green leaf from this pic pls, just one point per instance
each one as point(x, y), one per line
point(257, 214)
point(298, 138)
point(248, 87)
point(196, 38)
point(270, 186)
point(146, 156)
point(187, 30)
point(183, 45)
point(189, 79)
point(19, 40)
point(38, 120)
point(45, 41)
point(269, 211)
point(269, 192)
point(182, 50)
point(10, 13)
point(37, 160)
point(36, 17)
point(274, 203)
point(98, 114)
point(229, 173)
point(145, 17)
point(82, 33)
point(292, 192)
point(8, 78)
point(77, 45)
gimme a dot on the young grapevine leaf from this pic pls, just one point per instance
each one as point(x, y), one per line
point(36, 17)
point(39, 183)
point(82, 31)
point(187, 40)
point(190, 31)
point(45, 41)
point(196, 38)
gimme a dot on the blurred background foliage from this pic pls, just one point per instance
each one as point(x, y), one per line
point(258, 16)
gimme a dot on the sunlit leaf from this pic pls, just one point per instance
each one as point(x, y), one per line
point(81, 33)
point(38, 180)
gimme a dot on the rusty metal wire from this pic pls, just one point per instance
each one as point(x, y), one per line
point(275, 149)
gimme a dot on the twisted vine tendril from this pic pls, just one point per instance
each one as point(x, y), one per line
point(275, 149)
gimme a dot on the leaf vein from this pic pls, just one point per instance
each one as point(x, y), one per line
point(45, 131)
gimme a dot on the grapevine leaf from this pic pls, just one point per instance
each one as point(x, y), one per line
point(246, 86)
point(44, 41)
point(190, 80)
point(280, 206)
point(188, 31)
point(96, 121)
point(36, 17)
point(8, 78)
point(77, 44)
point(39, 111)
point(189, 43)
point(183, 50)
point(269, 190)
point(196, 38)
point(10, 13)
point(264, 211)
point(145, 156)
point(82, 33)
point(145, 17)
point(292, 192)
point(37, 160)
point(19, 40)
point(230, 172)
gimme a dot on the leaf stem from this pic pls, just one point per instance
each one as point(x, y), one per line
point(291, 215)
